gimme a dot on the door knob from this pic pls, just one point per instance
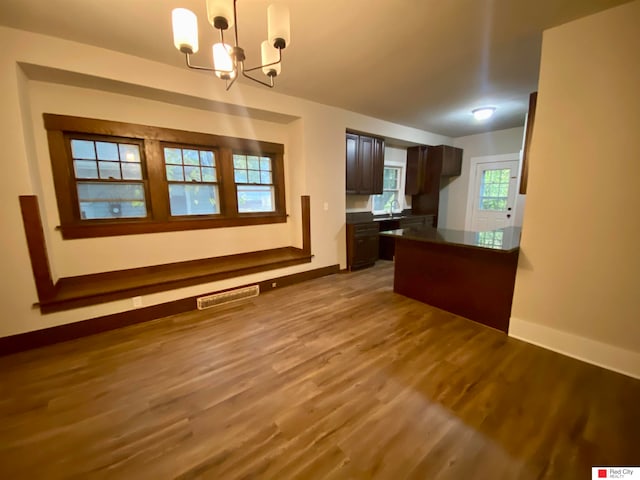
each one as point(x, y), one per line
point(508, 215)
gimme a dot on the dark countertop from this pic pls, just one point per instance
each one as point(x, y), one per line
point(505, 240)
point(366, 217)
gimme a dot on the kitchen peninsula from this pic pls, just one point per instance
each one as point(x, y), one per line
point(471, 274)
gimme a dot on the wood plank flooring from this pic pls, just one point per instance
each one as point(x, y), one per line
point(335, 378)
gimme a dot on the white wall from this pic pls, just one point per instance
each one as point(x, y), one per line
point(578, 274)
point(455, 193)
point(45, 74)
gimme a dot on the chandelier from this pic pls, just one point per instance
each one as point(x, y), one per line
point(228, 61)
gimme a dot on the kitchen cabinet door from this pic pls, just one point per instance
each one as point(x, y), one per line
point(353, 176)
point(377, 167)
point(362, 245)
point(416, 170)
point(364, 164)
point(451, 161)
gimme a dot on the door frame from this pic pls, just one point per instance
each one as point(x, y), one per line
point(473, 171)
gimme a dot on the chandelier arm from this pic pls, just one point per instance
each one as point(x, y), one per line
point(229, 83)
point(270, 85)
point(206, 69)
point(268, 64)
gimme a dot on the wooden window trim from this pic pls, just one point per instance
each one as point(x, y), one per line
point(277, 177)
point(61, 127)
point(112, 139)
point(166, 182)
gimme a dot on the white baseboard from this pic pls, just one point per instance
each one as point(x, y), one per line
point(590, 351)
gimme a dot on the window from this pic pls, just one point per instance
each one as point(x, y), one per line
point(109, 179)
point(115, 178)
point(192, 179)
point(494, 189)
point(391, 198)
point(254, 183)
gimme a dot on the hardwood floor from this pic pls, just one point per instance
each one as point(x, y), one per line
point(333, 378)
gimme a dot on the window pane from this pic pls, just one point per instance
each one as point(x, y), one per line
point(239, 161)
point(187, 199)
point(384, 201)
point(129, 153)
point(254, 198)
point(94, 192)
point(192, 174)
point(83, 149)
point(107, 151)
point(131, 171)
point(265, 163)
point(265, 177)
point(240, 176)
point(101, 210)
point(253, 163)
point(191, 157)
point(174, 173)
point(254, 176)
point(206, 159)
point(109, 170)
point(111, 200)
point(390, 179)
point(173, 156)
point(85, 169)
point(208, 174)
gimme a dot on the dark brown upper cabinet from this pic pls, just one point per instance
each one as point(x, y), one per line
point(365, 164)
point(426, 165)
point(416, 170)
point(531, 116)
point(451, 158)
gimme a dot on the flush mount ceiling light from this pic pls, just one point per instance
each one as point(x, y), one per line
point(483, 113)
point(228, 61)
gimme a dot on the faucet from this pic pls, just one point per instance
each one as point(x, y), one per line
point(391, 205)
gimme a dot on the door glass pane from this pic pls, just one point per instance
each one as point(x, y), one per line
point(492, 239)
point(494, 189)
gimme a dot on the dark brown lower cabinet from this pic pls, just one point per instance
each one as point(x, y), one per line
point(386, 250)
point(362, 245)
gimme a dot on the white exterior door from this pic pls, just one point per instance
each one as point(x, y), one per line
point(494, 195)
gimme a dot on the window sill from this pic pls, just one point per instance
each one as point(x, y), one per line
point(80, 291)
point(107, 229)
point(93, 289)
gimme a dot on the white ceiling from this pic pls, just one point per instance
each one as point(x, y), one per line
point(421, 63)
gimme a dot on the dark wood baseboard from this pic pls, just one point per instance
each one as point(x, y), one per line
point(71, 331)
